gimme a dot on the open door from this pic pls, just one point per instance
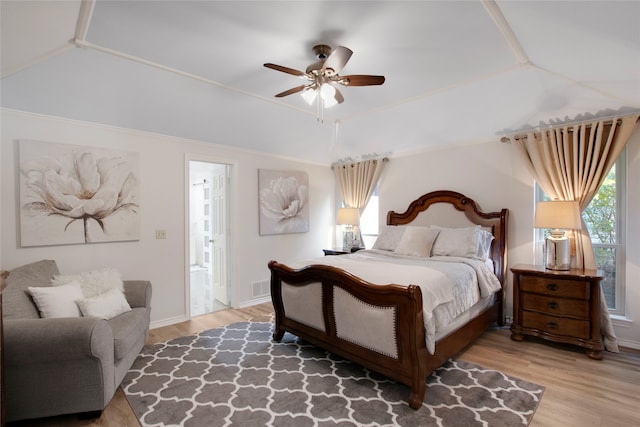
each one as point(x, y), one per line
point(218, 241)
point(208, 228)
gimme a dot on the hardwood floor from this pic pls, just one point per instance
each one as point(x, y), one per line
point(578, 391)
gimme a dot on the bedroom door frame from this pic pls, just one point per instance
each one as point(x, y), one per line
point(229, 231)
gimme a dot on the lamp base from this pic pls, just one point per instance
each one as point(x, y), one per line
point(557, 253)
point(347, 239)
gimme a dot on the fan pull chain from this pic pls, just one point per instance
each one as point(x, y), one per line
point(320, 109)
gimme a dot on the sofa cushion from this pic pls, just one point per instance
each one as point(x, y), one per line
point(94, 282)
point(17, 302)
point(105, 306)
point(127, 330)
point(57, 301)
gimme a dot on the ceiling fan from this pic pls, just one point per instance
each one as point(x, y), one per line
point(323, 76)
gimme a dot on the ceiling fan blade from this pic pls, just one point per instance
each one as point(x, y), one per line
point(338, 96)
point(291, 91)
point(337, 59)
point(285, 69)
point(361, 80)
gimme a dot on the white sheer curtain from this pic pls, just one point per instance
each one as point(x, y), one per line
point(570, 163)
point(357, 181)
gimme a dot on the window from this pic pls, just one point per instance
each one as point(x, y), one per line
point(369, 221)
point(605, 218)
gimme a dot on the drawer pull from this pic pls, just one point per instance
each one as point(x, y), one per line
point(552, 287)
point(553, 305)
point(552, 325)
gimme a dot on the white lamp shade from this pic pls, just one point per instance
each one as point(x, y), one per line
point(558, 214)
point(326, 91)
point(348, 216)
point(328, 94)
point(309, 95)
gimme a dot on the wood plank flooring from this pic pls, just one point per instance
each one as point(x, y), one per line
point(579, 391)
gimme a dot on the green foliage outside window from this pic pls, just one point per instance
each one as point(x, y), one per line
point(600, 217)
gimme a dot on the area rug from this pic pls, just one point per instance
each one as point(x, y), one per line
point(238, 376)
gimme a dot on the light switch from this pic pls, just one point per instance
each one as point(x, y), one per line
point(161, 234)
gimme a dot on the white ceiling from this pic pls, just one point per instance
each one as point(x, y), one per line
point(457, 72)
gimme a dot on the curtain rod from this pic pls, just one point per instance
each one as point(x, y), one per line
point(339, 163)
point(607, 121)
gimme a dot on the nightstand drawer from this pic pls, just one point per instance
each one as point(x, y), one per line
point(556, 287)
point(578, 308)
point(556, 325)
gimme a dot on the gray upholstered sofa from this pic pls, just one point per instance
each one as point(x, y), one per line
point(68, 365)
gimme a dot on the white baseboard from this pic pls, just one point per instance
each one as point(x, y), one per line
point(255, 301)
point(177, 319)
point(166, 322)
point(629, 344)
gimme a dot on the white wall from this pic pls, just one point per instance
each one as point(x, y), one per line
point(162, 206)
point(490, 173)
point(495, 177)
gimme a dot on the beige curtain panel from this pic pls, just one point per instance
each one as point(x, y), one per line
point(570, 163)
point(357, 182)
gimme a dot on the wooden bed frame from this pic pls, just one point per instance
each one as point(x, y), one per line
point(413, 363)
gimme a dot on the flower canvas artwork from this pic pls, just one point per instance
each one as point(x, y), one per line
point(73, 194)
point(284, 201)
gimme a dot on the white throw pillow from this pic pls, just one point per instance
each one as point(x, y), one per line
point(94, 282)
point(417, 241)
point(389, 237)
point(459, 242)
point(484, 244)
point(57, 301)
point(105, 306)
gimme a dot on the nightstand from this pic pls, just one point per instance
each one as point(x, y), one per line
point(340, 251)
point(559, 306)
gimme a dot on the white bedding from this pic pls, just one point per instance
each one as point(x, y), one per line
point(449, 285)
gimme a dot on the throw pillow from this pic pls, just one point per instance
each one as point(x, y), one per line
point(105, 306)
point(94, 282)
point(417, 241)
point(389, 237)
point(467, 242)
point(57, 301)
point(484, 244)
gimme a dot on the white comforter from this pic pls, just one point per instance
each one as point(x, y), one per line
point(449, 285)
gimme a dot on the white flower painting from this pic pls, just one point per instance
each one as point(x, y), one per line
point(72, 194)
point(284, 202)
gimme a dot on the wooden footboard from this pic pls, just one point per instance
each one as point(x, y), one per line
point(331, 308)
point(382, 327)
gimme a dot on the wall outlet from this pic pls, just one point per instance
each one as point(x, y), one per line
point(161, 234)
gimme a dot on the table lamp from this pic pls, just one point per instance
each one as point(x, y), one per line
point(559, 216)
point(349, 217)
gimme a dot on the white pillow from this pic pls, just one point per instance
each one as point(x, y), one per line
point(92, 282)
point(484, 244)
point(389, 237)
point(467, 242)
point(417, 241)
point(105, 306)
point(57, 301)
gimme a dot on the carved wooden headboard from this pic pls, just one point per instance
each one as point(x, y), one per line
point(495, 222)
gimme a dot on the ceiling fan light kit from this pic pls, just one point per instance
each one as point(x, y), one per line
point(323, 76)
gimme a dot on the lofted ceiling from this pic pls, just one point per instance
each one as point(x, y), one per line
point(457, 72)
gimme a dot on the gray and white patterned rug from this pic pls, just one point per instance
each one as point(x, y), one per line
point(238, 376)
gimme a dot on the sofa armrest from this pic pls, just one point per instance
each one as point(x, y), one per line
point(30, 341)
point(137, 292)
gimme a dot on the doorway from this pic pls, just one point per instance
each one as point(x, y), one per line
point(208, 237)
